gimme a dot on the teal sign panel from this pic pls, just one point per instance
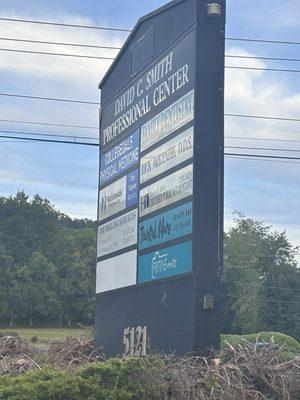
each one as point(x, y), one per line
point(165, 263)
point(170, 225)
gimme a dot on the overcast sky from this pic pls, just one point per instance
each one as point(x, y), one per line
point(67, 175)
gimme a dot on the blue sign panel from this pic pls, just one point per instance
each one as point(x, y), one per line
point(167, 226)
point(132, 182)
point(120, 158)
point(164, 263)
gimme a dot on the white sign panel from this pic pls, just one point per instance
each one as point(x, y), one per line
point(116, 272)
point(170, 154)
point(172, 188)
point(168, 120)
point(117, 234)
point(112, 199)
point(119, 195)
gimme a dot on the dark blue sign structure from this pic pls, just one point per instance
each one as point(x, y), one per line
point(160, 211)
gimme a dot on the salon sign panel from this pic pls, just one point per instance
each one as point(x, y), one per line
point(146, 178)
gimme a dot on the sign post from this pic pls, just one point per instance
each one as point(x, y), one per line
point(160, 211)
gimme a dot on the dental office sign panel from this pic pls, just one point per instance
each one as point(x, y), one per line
point(146, 175)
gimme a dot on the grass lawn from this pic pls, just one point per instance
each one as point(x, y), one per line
point(45, 333)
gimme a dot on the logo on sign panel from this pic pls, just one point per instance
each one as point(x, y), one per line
point(168, 190)
point(161, 263)
point(119, 195)
point(170, 225)
point(170, 261)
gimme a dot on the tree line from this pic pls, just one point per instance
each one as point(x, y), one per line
point(48, 260)
point(47, 264)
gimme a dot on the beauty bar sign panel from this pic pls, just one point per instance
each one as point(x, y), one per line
point(167, 226)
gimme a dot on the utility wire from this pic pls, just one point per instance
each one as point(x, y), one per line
point(263, 117)
point(262, 156)
point(263, 160)
point(262, 148)
point(91, 46)
point(28, 21)
point(260, 299)
point(118, 48)
point(240, 39)
point(261, 139)
point(113, 58)
point(56, 54)
point(262, 41)
point(263, 58)
point(262, 69)
point(96, 144)
point(48, 134)
point(51, 141)
point(95, 138)
point(95, 127)
point(49, 124)
point(49, 99)
point(262, 286)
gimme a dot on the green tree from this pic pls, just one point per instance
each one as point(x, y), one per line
point(47, 263)
point(38, 286)
point(261, 280)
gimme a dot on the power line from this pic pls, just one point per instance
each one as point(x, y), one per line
point(48, 134)
point(262, 286)
point(49, 99)
point(118, 48)
point(262, 148)
point(51, 141)
point(263, 117)
point(261, 139)
point(28, 21)
point(48, 124)
point(262, 41)
point(95, 144)
point(261, 156)
point(263, 58)
point(113, 58)
point(57, 54)
point(97, 128)
point(92, 46)
point(262, 69)
point(260, 299)
point(262, 160)
point(129, 30)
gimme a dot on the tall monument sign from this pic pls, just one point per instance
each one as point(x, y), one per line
point(160, 210)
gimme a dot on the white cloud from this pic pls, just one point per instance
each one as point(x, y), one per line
point(247, 92)
point(87, 72)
